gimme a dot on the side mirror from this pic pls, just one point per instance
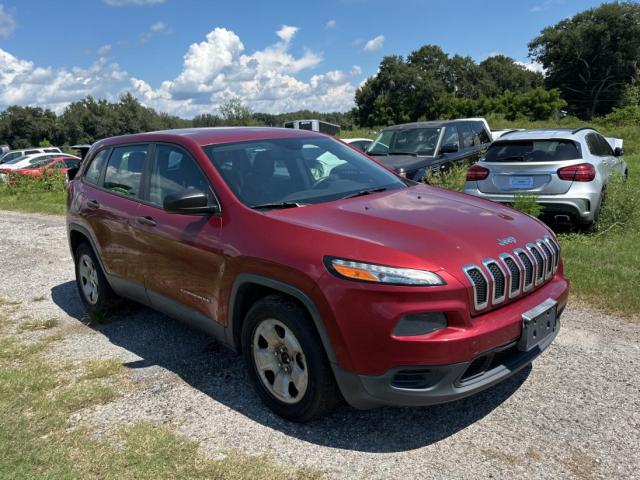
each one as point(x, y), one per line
point(190, 202)
point(449, 148)
point(618, 152)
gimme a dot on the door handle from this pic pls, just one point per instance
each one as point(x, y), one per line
point(93, 204)
point(148, 221)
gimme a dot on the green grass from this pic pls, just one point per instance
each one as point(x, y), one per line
point(103, 369)
point(54, 203)
point(39, 324)
point(36, 399)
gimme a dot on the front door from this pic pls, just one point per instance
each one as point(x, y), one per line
point(181, 253)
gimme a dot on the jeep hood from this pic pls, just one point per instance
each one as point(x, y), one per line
point(421, 225)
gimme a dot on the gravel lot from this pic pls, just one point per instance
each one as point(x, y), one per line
point(575, 414)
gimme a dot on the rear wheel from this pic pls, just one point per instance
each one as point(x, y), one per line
point(286, 360)
point(95, 292)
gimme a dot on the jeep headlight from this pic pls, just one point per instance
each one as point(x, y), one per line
point(368, 272)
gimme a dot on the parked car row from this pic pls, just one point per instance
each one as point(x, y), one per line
point(37, 165)
point(567, 170)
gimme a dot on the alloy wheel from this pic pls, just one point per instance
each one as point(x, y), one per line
point(88, 279)
point(280, 361)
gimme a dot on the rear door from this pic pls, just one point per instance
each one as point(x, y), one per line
point(528, 166)
point(112, 189)
point(180, 254)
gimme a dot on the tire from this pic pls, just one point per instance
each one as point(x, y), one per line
point(94, 290)
point(286, 361)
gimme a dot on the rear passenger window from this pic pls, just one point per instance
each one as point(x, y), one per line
point(173, 171)
point(480, 135)
point(598, 146)
point(605, 148)
point(451, 137)
point(467, 136)
point(124, 170)
point(92, 174)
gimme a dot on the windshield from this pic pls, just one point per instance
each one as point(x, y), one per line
point(297, 171)
point(413, 141)
point(532, 151)
point(9, 157)
point(16, 160)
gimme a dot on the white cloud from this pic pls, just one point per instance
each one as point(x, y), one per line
point(331, 24)
point(105, 50)
point(374, 44)
point(287, 32)
point(213, 70)
point(8, 22)
point(159, 27)
point(23, 83)
point(122, 3)
point(532, 66)
point(218, 68)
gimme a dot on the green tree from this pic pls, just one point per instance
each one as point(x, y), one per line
point(591, 56)
point(235, 113)
point(505, 75)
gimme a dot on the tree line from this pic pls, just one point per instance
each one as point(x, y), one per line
point(591, 65)
point(589, 61)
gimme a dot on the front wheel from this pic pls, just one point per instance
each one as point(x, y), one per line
point(286, 360)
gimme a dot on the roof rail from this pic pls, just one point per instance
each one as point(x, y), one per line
point(582, 128)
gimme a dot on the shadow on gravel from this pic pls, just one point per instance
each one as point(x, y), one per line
point(219, 373)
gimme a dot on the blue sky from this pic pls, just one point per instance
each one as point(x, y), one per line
point(187, 56)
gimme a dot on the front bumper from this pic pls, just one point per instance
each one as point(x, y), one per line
point(434, 384)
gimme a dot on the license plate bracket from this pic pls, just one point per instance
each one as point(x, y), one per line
point(538, 324)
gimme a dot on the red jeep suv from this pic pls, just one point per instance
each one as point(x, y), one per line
point(334, 277)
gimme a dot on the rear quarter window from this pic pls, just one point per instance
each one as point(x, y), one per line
point(533, 151)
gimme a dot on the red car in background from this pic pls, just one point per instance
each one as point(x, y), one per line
point(50, 165)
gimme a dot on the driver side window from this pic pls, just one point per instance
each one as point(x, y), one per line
point(172, 171)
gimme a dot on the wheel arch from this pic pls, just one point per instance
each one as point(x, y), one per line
point(79, 234)
point(249, 288)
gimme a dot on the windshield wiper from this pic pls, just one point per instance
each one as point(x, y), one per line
point(376, 153)
point(413, 154)
point(365, 192)
point(517, 158)
point(274, 205)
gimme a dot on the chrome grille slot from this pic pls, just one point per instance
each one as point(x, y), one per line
point(499, 280)
point(555, 249)
point(480, 286)
point(529, 269)
point(515, 274)
point(548, 260)
point(538, 263)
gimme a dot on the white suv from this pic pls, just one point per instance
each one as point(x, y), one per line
point(566, 169)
